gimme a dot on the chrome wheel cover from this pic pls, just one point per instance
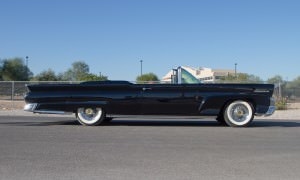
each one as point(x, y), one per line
point(89, 115)
point(239, 113)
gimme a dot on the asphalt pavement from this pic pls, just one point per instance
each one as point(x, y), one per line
point(57, 147)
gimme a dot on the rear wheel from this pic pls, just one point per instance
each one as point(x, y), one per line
point(90, 116)
point(238, 113)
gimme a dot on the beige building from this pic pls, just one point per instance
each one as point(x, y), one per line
point(203, 74)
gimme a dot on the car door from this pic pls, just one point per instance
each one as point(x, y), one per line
point(192, 98)
point(165, 99)
point(124, 99)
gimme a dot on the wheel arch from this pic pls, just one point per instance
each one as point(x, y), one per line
point(73, 106)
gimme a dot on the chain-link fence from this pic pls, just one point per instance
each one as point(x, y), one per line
point(15, 90)
point(291, 94)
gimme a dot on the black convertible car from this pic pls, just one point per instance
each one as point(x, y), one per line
point(95, 102)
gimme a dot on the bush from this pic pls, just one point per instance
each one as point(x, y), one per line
point(281, 104)
point(147, 77)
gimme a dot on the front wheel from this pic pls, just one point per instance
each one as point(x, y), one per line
point(238, 114)
point(90, 116)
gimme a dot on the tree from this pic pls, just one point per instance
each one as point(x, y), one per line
point(77, 72)
point(242, 78)
point(80, 72)
point(254, 79)
point(93, 77)
point(295, 83)
point(14, 70)
point(279, 84)
point(275, 80)
point(48, 75)
point(147, 77)
point(293, 87)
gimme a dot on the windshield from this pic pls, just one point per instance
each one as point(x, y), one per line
point(188, 78)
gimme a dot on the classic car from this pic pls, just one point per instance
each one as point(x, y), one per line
point(95, 102)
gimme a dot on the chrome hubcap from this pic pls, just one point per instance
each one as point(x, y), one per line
point(89, 111)
point(239, 113)
point(89, 115)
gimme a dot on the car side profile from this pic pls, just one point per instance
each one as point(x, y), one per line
point(95, 102)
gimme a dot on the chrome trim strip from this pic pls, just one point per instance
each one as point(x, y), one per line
point(261, 91)
point(173, 117)
point(48, 112)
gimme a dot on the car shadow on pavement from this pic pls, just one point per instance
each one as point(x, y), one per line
point(116, 123)
point(275, 123)
point(54, 123)
point(162, 123)
point(200, 123)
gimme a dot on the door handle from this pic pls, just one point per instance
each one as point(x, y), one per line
point(146, 89)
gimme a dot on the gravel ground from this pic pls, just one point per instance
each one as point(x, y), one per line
point(11, 105)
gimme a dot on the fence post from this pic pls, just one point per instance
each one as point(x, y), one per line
point(12, 90)
point(280, 92)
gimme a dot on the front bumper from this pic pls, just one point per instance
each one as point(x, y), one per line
point(271, 109)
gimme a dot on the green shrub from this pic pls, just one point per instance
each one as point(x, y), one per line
point(281, 104)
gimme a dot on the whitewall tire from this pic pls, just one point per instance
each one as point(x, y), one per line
point(90, 116)
point(238, 113)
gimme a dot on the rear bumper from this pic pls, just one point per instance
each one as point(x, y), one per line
point(32, 108)
point(270, 110)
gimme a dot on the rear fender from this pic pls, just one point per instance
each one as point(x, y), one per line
point(73, 106)
point(216, 105)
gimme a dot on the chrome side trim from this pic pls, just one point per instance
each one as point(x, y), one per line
point(261, 91)
point(48, 112)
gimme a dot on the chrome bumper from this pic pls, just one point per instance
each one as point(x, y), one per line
point(32, 108)
point(270, 111)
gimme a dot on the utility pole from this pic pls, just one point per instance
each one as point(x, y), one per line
point(27, 66)
point(27, 61)
point(141, 61)
point(235, 66)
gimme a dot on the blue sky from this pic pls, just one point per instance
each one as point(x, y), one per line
point(262, 36)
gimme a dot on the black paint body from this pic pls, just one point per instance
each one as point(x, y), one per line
point(124, 98)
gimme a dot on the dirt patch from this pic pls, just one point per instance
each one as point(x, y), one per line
point(11, 105)
point(293, 105)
